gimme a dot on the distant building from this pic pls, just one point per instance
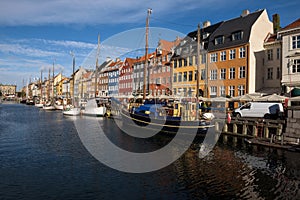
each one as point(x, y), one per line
point(8, 90)
point(125, 77)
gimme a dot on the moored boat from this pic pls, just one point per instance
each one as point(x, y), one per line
point(163, 119)
point(94, 107)
point(72, 111)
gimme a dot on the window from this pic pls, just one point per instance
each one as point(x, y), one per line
point(296, 42)
point(203, 74)
point(190, 75)
point(232, 54)
point(219, 40)
point(223, 74)
point(175, 63)
point(213, 74)
point(185, 62)
point(184, 76)
point(242, 73)
point(278, 73)
point(214, 57)
point(270, 54)
point(196, 75)
point(232, 73)
point(180, 77)
point(191, 63)
point(296, 66)
point(270, 73)
point(213, 90)
point(180, 62)
point(242, 52)
point(203, 60)
point(237, 35)
point(278, 53)
point(175, 77)
point(241, 90)
point(223, 56)
point(231, 90)
point(222, 91)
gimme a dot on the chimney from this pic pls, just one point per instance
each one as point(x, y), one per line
point(108, 59)
point(245, 13)
point(276, 22)
point(206, 24)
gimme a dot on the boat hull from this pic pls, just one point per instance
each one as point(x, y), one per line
point(97, 112)
point(72, 112)
point(49, 108)
point(171, 125)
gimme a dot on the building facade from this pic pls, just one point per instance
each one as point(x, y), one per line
point(290, 36)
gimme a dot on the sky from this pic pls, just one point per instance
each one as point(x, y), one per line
point(36, 35)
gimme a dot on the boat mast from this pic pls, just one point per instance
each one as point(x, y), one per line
point(96, 70)
point(41, 82)
point(149, 11)
point(53, 82)
point(198, 71)
point(73, 77)
point(48, 91)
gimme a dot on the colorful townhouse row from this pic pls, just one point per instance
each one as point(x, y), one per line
point(246, 54)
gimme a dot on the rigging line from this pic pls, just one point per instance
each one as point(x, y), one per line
point(188, 25)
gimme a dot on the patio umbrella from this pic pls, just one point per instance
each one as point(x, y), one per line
point(245, 97)
point(220, 99)
point(272, 97)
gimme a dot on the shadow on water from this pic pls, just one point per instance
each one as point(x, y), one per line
point(42, 157)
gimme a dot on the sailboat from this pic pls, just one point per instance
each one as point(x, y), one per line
point(163, 117)
point(50, 104)
point(95, 107)
point(39, 102)
point(73, 111)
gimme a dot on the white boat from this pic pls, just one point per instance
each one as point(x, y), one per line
point(58, 107)
point(72, 111)
point(49, 106)
point(39, 105)
point(94, 108)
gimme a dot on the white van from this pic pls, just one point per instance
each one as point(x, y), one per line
point(260, 109)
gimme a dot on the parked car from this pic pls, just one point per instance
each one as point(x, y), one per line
point(261, 110)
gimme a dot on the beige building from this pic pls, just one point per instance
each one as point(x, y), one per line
point(8, 90)
point(290, 36)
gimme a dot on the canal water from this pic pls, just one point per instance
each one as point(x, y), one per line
point(42, 157)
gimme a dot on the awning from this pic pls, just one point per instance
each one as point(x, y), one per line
point(295, 92)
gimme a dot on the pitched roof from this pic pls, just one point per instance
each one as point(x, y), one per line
point(292, 25)
point(168, 45)
point(227, 28)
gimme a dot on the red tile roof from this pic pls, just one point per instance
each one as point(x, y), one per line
point(292, 25)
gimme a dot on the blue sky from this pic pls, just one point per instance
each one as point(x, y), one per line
point(34, 34)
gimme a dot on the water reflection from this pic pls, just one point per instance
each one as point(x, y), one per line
point(42, 157)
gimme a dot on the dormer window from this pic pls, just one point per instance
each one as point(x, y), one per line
point(237, 35)
point(219, 40)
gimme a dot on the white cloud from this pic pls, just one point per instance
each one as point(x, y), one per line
point(36, 12)
point(27, 51)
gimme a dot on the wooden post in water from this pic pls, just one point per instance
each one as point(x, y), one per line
point(254, 130)
point(234, 128)
point(245, 126)
point(266, 130)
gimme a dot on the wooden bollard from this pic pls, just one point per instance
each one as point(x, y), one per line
point(234, 128)
point(254, 130)
point(245, 129)
point(266, 130)
point(279, 131)
point(225, 128)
